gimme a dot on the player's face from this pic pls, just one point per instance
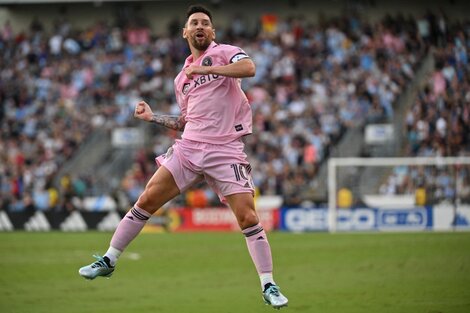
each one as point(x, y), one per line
point(199, 31)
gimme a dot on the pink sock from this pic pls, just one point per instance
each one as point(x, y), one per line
point(129, 227)
point(259, 248)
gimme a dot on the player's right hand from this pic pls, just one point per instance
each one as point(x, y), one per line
point(143, 111)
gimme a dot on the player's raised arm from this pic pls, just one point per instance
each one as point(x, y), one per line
point(243, 68)
point(144, 112)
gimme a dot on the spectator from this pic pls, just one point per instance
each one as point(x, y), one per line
point(313, 83)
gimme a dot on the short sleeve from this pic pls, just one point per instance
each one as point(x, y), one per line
point(233, 54)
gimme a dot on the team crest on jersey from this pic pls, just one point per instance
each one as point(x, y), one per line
point(207, 61)
point(186, 88)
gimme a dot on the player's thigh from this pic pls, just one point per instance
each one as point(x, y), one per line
point(160, 189)
point(183, 163)
point(243, 206)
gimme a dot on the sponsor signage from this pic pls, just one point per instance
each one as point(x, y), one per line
point(438, 218)
point(356, 219)
point(462, 218)
point(299, 220)
point(359, 219)
point(449, 217)
point(378, 133)
point(179, 220)
point(217, 219)
point(411, 219)
point(65, 221)
point(125, 137)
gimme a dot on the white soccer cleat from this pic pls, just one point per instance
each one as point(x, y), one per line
point(98, 268)
point(273, 297)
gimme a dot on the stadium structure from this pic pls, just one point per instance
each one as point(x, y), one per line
point(347, 99)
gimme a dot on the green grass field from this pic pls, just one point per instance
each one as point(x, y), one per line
point(212, 272)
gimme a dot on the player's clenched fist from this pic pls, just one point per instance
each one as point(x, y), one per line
point(192, 70)
point(143, 111)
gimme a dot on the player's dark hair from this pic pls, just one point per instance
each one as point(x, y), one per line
point(198, 9)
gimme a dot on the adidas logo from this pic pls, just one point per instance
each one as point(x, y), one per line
point(74, 222)
point(109, 222)
point(5, 224)
point(260, 238)
point(37, 222)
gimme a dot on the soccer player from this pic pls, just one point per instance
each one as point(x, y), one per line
point(215, 115)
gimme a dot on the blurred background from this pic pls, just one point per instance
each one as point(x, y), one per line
point(335, 79)
point(361, 114)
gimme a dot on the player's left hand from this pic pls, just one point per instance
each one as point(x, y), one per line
point(191, 70)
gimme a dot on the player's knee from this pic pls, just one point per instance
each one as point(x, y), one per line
point(247, 218)
point(145, 203)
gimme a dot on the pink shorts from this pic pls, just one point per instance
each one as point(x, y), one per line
point(224, 167)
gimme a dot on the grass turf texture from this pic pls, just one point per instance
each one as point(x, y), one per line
point(212, 272)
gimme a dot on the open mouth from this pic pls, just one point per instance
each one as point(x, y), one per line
point(200, 35)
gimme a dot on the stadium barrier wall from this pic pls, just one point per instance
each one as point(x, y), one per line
point(63, 221)
point(444, 217)
point(209, 219)
point(175, 220)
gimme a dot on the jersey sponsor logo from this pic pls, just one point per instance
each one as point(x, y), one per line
point(207, 61)
point(201, 80)
point(239, 56)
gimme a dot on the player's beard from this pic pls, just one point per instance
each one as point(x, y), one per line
point(201, 45)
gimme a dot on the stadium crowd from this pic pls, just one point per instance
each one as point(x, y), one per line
point(438, 124)
point(313, 82)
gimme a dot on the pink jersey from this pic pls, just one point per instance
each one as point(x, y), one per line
point(215, 108)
